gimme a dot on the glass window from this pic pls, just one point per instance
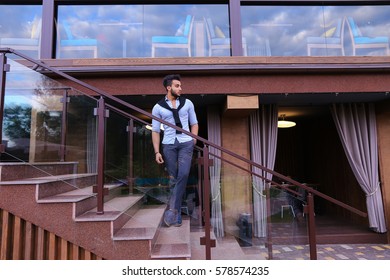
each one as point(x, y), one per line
point(20, 28)
point(105, 31)
point(316, 30)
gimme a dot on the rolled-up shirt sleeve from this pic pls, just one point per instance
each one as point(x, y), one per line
point(192, 115)
point(156, 124)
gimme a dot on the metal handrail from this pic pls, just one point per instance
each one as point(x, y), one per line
point(205, 151)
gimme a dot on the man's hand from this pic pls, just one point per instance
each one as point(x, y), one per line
point(159, 158)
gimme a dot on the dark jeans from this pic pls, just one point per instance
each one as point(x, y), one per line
point(178, 158)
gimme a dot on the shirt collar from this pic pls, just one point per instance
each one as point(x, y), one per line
point(166, 98)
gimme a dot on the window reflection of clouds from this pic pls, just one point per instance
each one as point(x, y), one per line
point(158, 23)
point(282, 26)
point(153, 20)
point(287, 27)
point(165, 19)
point(22, 84)
point(20, 23)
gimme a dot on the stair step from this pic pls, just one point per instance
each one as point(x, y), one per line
point(173, 242)
point(50, 186)
point(46, 179)
point(113, 209)
point(18, 170)
point(143, 225)
point(75, 195)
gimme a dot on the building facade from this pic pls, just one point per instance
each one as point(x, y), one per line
point(303, 59)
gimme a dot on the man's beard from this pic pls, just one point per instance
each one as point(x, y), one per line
point(174, 94)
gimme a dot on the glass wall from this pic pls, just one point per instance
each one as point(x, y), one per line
point(316, 30)
point(183, 30)
point(20, 28)
point(141, 30)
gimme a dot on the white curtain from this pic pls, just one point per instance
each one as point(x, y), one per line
point(264, 135)
point(356, 125)
point(214, 135)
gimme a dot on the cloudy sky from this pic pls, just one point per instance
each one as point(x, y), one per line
point(132, 26)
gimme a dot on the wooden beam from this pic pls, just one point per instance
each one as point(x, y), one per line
point(28, 241)
point(64, 249)
point(52, 246)
point(40, 244)
point(16, 250)
point(4, 235)
point(75, 252)
point(87, 255)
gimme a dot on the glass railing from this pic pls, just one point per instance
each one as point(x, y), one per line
point(81, 134)
point(32, 115)
point(263, 218)
point(48, 128)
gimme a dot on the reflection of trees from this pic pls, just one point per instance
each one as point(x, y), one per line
point(33, 127)
point(47, 95)
point(48, 126)
point(17, 121)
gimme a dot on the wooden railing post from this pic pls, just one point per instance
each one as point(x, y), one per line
point(64, 125)
point(311, 226)
point(269, 223)
point(101, 113)
point(199, 188)
point(4, 68)
point(206, 240)
point(130, 173)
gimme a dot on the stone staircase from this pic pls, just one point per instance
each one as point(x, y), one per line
point(64, 203)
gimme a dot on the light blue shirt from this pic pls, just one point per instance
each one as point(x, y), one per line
point(187, 117)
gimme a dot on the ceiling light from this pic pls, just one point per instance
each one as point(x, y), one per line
point(282, 123)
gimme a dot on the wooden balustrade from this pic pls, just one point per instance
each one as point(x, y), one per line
point(21, 240)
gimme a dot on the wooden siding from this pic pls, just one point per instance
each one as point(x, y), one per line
point(21, 240)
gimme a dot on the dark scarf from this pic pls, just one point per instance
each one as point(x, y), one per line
point(175, 112)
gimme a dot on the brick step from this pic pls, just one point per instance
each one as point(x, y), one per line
point(48, 186)
point(117, 210)
point(21, 170)
point(76, 195)
point(143, 225)
point(165, 243)
point(173, 242)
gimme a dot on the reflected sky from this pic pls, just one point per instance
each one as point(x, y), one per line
point(26, 87)
point(287, 27)
point(16, 21)
point(135, 25)
point(127, 30)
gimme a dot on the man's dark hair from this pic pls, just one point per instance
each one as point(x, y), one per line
point(167, 81)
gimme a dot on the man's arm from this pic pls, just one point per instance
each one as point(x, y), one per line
point(195, 130)
point(156, 147)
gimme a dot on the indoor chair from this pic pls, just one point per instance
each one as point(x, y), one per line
point(180, 41)
point(217, 39)
point(333, 38)
point(362, 42)
point(75, 44)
